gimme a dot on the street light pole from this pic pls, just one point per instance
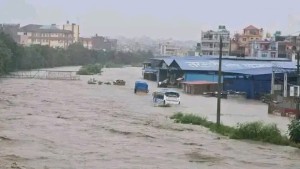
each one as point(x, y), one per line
point(219, 84)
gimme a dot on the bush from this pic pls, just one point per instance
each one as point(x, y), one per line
point(260, 132)
point(257, 131)
point(294, 131)
point(90, 69)
point(197, 120)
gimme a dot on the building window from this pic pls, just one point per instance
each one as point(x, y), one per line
point(253, 32)
point(244, 39)
point(264, 55)
point(25, 33)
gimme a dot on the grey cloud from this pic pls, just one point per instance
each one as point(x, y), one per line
point(16, 10)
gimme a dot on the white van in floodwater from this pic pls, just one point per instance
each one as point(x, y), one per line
point(166, 97)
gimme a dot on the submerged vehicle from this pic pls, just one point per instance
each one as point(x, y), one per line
point(166, 97)
point(141, 86)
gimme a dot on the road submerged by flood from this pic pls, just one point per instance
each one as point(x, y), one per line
point(48, 124)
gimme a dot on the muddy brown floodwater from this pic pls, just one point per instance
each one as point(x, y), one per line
point(47, 124)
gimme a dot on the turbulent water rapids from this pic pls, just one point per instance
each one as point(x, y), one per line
point(48, 124)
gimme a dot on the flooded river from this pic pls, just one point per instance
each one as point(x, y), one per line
point(48, 124)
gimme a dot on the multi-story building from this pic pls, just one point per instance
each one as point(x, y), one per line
point(12, 30)
point(86, 42)
point(103, 43)
point(99, 43)
point(271, 49)
point(198, 51)
point(168, 49)
point(50, 35)
point(285, 45)
point(210, 41)
point(264, 49)
point(285, 49)
point(75, 30)
point(240, 44)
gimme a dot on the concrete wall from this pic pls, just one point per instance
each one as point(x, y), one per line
point(199, 89)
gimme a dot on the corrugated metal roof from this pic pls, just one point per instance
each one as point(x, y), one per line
point(258, 71)
point(168, 61)
point(231, 65)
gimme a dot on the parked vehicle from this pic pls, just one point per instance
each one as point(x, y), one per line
point(166, 97)
point(141, 86)
point(164, 83)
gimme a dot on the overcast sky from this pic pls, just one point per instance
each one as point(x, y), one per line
point(177, 19)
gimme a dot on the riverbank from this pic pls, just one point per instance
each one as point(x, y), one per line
point(70, 124)
point(256, 131)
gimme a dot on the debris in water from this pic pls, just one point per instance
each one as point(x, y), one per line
point(4, 138)
point(61, 117)
point(15, 165)
point(193, 144)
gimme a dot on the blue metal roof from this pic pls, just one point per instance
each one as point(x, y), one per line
point(232, 65)
point(168, 61)
point(258, 71)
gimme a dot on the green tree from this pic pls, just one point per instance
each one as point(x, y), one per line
point(5, 58)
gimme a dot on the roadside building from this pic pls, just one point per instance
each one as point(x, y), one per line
point(251, 75)
point(210, 41)
point(152, 66)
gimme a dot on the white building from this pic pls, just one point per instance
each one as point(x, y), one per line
point(210, 41)
point(264, 49)
point(168, 49)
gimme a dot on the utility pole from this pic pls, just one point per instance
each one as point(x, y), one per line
point(219, 84)
point(298, 84)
